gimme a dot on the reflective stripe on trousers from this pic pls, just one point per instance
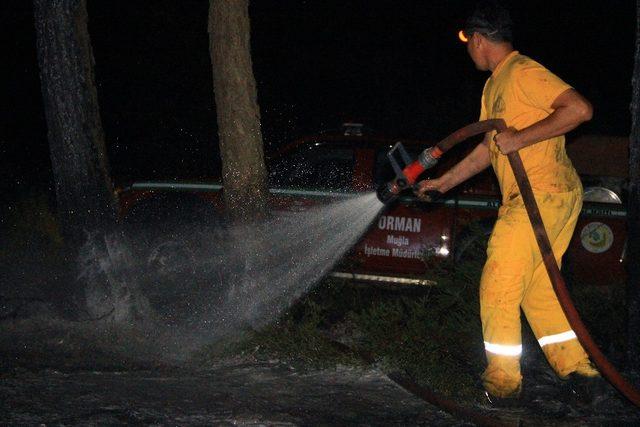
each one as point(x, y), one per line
point(504, 350)
point(557, 338)
point(516, 350)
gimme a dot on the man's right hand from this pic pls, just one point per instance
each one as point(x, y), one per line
point(425, 189)
point(476, 161)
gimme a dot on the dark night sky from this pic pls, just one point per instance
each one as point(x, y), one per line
point(395, 65)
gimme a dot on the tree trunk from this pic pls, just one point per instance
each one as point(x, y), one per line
point(243, 167)
point(633, 214)
point(84, 194)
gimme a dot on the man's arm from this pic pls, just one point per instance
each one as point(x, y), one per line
point(570, 109)
point(476, 161)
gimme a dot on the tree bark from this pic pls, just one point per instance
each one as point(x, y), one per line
point(243, 167)
point(633, 213)
point(84, 193)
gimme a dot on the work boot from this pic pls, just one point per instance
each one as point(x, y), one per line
point(509, 400)
point(585, 390)
point(586, 369)
point(502, 378)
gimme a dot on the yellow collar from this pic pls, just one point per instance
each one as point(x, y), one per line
point(504, 61)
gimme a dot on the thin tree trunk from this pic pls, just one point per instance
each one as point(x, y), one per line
point(633, 214)
point(84, 194)
point(240, 136)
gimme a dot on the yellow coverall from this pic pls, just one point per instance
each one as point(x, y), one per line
point(521, 92)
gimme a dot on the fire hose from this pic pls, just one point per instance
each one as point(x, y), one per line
point(406, 382)
point(406, 177)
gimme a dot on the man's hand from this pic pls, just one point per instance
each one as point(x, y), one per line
point(476, 161)
point(508, 141)
point(423, 188)
point(569, 110)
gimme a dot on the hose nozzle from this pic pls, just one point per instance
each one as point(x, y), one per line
point(389, 191)
point(407, 176)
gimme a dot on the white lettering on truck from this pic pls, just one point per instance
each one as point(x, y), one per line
point(399, 223)
point(397, 240)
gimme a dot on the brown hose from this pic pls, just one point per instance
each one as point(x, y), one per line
point(468, 131)
point(559, 286)
point(423, 393)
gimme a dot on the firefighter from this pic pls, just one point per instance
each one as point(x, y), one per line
point(538, 108)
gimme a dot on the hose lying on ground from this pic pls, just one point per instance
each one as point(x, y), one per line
point(423, 393)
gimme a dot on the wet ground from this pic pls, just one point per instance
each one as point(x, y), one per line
point(63, 373)
point(231, 394)
point(251, 393)
point(55, 372)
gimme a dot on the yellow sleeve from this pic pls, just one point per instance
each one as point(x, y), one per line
point(539, 87)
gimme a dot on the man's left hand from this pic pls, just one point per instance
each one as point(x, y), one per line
point(508, 141)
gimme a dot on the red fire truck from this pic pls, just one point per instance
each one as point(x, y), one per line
point(316, 168)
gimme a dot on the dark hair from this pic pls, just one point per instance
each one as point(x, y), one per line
point(492, 20)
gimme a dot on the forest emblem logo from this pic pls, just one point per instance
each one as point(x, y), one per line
point(596, 237)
